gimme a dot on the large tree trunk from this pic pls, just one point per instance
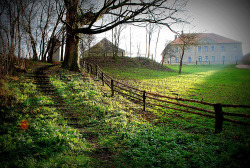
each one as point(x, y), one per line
point(33, 45)
point(69, 49)
point(62, 45)
point(75, 64)
point(71, 58)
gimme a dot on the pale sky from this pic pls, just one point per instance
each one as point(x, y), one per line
point(228, 18)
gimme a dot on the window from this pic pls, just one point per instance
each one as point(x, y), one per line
point(236, 58)
point(213, 58)
point(223, 59)
point(206, 58)
point(176, 59)
point(235, 47)
point(205, 48)
point(222, 48)
point(188, 49)
point(200, 58)
point(176, 49)
point(212, 48)
point(199, 48)
point(189, 59)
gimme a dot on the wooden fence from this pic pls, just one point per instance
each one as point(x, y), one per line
point(145, 98)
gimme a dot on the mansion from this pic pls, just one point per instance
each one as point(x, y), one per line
point(203, 48)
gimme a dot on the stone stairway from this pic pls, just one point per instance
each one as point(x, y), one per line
point(43, 84)
point(41, 79)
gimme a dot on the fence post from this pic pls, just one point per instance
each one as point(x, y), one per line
point(144, 100)
point(102, 80)
point(91, 69)
point(112, 87)
point(87, 67)
point(196, 62)
point(96, 68)
point(218, 117)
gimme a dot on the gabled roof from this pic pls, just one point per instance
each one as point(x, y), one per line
point(204, 38)
point(105, 45)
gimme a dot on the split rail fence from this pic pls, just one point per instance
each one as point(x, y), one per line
point(152, 99)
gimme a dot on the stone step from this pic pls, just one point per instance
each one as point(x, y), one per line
point(60, 105)
point(49, 94)
point(41, 79)
point(41, 82)
point(45, 87)
point(48, 90)
point(76, 125)
point(75, 119)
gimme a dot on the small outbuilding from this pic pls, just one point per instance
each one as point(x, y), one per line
point(104, 48)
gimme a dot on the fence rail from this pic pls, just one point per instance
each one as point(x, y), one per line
point(143, 96)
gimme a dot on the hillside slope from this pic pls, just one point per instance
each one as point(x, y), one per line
point(124, 62)
point(131, 68)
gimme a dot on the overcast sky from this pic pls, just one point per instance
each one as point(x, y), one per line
point(228, 18)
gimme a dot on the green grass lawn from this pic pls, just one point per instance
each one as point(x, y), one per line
point(137, 73)
point(211, 83)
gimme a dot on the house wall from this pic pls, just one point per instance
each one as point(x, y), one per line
point(102, 54)
point(231, 54)
point(56, 55)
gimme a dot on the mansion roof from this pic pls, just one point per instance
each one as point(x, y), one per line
point(207, 38)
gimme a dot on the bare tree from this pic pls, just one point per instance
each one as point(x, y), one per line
point(150, 29)
point(25, 25)
point(94, 19)
point(46, 18)
point(138, 50)
point(183, 42)
point(29, 13)
point(156, 43)
point(86, 42)
point(62, 44)
point(166, 52)
point(8, 31)
point(116, 36)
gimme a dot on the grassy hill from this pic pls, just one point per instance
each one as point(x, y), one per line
point(92, 129)
point(130, 68)
point(124, 62)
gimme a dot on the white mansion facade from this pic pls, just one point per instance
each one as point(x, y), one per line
point(209, 48)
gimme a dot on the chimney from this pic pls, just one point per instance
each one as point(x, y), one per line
point(175, 36)
point(182, 32)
